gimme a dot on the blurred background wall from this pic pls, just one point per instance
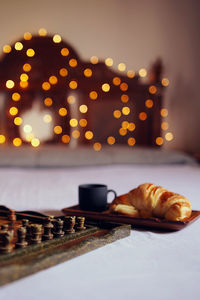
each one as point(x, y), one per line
point(130, 31)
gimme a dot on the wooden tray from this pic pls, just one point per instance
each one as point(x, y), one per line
point(146, 223)
point(23, 262)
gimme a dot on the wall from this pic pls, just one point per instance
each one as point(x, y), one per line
point(134, 32)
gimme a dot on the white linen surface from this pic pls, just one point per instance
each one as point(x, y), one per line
point(146, 265)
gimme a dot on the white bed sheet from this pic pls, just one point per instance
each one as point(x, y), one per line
point(146, 265)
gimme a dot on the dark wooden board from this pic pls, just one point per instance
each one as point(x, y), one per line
point(23, 262)
point(146, 223)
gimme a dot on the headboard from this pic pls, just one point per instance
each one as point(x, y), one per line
point(91, 102)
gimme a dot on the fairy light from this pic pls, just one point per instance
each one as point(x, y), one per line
point(124, 98)
point(164, 112)
point(97, 146)
point(105, 87)
point(24, 77)
point(124, 86)
point(48, 101)
point(30, 52)
point(109, 62)
point(18, 121)
point(83, 108)
point(73, 122)
point(35, 142)
point(65, 139)
point(42, 32)
point(142, 72)
point(10, 84)
point(7, 49)
point(57, 38)
point(71, 99)
point(64, 52)
point(111, 140)
point(131, 74)
point(83, 122)
point(142, 116)
point(121, 67)
point(23, 84)
point(131, 141)
point(93, 95)
point(27, 36)
point(27, 128)
point(131, 126)
point(89, 135)
point(152, 89)
point(53, 79)
point(122, 131)
point(126, 110)
point(13, 111)
point(47, 118)
point(46, 86)
point(94, 60)
point(18, 46)
point(117, 114)
point(17, 142)
point(164, 125)
point(29, 137)
point(159, 141)
point(87, 72)
point(73, 62)
point(62, 111)
point(73, 84)
point(169, 136)
point(57, 129)
point(165, 81)
point(116, 81)
point(26, 67)
point(149, 103)
point(2, 139)
point(63, 72)
point(16, 97)
point(75, 134)
point(125, 124)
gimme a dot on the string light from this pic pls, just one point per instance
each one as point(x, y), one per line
point(164, 112)
point(35, 142)
point(48, 101)
point(73, 84)
point(126, 110)
point(23, 84)
point(149, 103)
point(142, 116)
point(46, 86)
point(53, 79)
point(47, 118)
point(122, 131)
point(16, 97)
point(2, 139)
point(121, 67)
point(97, 146)
point(152, 89)
point(164, 125)
point(131, 74)
point(73, 62)
point(57, 38)
point(71, 99)
point(105, 87)
point(159, 140)
point(64, 52)
point(165, 81)
point(89, 135)
point(125, 124)
point(116, 81)
point(83, 122)
point(27, 36)
point(65, 139)
point(94, 60)
point(18, 121)
point(83, 108)
point(24, 77)
point(26, 67)
point(87, 72)
point(143, 72)
point(7, 49)
point(93, 95)
point(109, 62)
point(124, 86)
point(169, 136)
point(10, 84)
point(131, 126)
point(131, 141)
point(62, 111)
point(30, 52)
point(42, 32)
point(73, 122)
point(111, 140)
point(18, 46)
point(117, 114)
point(124, 98)
point(57, 129)
point(75, 134)
point(13, 111)
point(27, 128)
point(63, 72)
point(17, 142)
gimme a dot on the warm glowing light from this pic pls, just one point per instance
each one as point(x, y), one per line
point(57, 129)
point(2, 139)
point(97, 146)
point(18, 121)
point(117, 114)
point(48, 101)
point(62, 111)
point(152, 89)
point(111, 140)
point(125, 124)
point(87, 72)
point(165, 81)
point(73, 84)
point(42, 32)
point(53, 79)
point(23, 84)
point(29, 137)
point(13, 111)
point(124, 86)
point(142, 116)
point(94, 60)
point(10, 84)
point(159, 141)
point(23, 77)
point(26, 67)
point(7, 49)
point(73, 62)
point(131, 141)
point(131, 126)
point(93, 95)
point(27, 128)
point(109, 62)
point(46, 86)
point(124, 98)
point(27, 36)
point(169, 136)
point(122, 131)
point(65, 138)
point(164, 112)
point(73, 122)
point(131, 74)
point(30, 52)
point(64, 52)
point(116, 81)
point(75, 134)
point(164, 125)
point(149, 103)
point(71, 99)
point(126, 110)
point(105, 87)
point(121, 67)
point(47, 118)
point(83, 108)
point(17, 142)
point(35, 142)
point(57, 38)
point(63, 72)
point(16, 96)
point(83, 122)
point(89, 135)
point(18, 46)
point(142, 72)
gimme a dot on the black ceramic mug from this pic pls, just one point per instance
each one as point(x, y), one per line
point(94, 196)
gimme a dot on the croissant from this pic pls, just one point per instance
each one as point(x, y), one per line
point(149, 200)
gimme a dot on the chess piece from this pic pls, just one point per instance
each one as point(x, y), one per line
point(12, 215)
point(21, 238)
point(69, 223)
point(48, 226)
point(58, 228)
point(80, 223)
point(36, 233)
point(25, 222)
point(6, 241)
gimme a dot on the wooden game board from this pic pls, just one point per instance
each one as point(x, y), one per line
point(35, 257)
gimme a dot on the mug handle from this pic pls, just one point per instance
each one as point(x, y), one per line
point(115, 194)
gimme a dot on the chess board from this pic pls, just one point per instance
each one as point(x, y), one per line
point(30, 241)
